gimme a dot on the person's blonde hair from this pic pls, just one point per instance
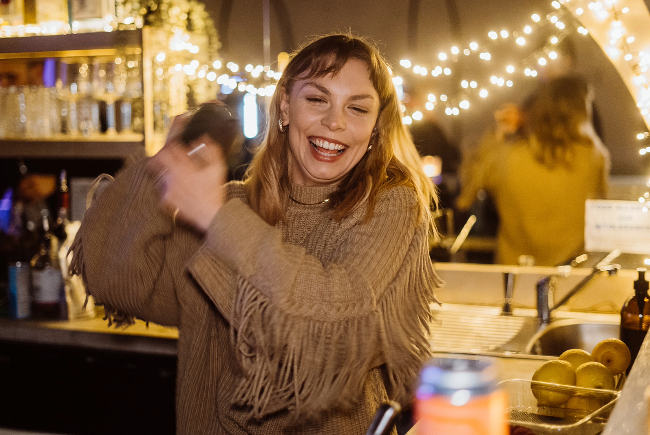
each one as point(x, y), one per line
point(560, 118)
point(392, 161)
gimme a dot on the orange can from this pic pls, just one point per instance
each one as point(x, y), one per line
point(458, 396)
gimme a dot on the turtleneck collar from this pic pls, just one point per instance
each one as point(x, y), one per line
point(311, 194)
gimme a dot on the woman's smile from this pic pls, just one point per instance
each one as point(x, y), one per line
point(326, 149)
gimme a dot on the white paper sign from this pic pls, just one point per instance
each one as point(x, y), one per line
point(623, 225)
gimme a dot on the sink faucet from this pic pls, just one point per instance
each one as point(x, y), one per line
point(546, 285)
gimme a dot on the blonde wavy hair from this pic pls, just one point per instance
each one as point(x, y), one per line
point(393, 161)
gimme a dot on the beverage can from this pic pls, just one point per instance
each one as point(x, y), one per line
point(458, 396)
point(19, 290)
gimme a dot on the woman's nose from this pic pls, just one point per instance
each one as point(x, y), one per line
point(334, 119)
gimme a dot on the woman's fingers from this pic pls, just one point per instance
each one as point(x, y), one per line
point(190, 188)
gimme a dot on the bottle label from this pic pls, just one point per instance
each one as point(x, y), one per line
point(46, 285)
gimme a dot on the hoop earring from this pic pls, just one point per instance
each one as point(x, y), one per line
point(282, 128)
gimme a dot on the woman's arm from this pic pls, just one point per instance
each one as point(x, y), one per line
point(123, 251)
point(307, 332)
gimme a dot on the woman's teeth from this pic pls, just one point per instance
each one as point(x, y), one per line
point(327, 145)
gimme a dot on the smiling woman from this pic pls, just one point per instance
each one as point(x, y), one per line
point(302, 294)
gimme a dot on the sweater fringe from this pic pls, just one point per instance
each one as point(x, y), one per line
point(76, 267)
point(306, 367)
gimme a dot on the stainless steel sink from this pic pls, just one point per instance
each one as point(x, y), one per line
point(565, 334)
point(475, 329)
point(479, 329)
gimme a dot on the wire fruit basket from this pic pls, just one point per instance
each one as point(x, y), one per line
point(584, 413)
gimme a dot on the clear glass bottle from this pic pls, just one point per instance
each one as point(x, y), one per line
point(635, 316)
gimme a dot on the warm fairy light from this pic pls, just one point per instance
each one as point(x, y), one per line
point(504, 34)
point(483, 93)
point(542, 61)
point(417, 115)
point(455, 50)
point(473, 45)
point(442, 56)
point(431, 98)
point(528, 30)
point(521, 40)
point(556, 4)
point(552, 55)
point(473, 84)
point(464, 104)
point(405, 63)
point(443, 97)
point(464, 84)
point(447, 71)
point(535, 18)
point(429, 105)
point(493, 35)
point(579, 11)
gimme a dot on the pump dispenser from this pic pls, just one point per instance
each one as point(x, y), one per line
point(635, 316)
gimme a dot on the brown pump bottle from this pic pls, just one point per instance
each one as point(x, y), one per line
point(635, 316)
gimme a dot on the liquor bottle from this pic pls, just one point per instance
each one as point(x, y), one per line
point(63, 206)
point(635, 316)
point(63, 198)
point(47, 280)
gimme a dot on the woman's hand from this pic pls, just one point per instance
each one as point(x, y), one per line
point(191, 178)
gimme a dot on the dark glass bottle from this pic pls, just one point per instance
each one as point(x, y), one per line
point(63, 208)
point(635, 316)
point(47, 279)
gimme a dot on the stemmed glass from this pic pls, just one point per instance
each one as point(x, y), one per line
point(133, 91)
point(108, 85)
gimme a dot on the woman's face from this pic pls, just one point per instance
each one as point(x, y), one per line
point(330, 121)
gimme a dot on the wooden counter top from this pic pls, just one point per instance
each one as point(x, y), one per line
point(92, 333)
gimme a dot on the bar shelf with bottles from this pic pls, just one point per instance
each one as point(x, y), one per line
point(93, 95)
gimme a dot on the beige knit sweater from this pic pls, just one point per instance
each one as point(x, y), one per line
point(302, 328)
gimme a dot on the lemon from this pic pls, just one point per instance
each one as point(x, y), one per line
point(613, 354)
point(594, 375)
point(555, 372)
point(583, 404)
point(576, 357)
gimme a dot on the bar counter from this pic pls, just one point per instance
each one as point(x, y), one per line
point(82, 377)
point(93, 333)
point(628, 418)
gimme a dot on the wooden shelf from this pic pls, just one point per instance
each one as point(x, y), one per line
point(80, 44)
point(66, 147)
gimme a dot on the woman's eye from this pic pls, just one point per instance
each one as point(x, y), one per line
point(361, 110)
point(315, 100)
